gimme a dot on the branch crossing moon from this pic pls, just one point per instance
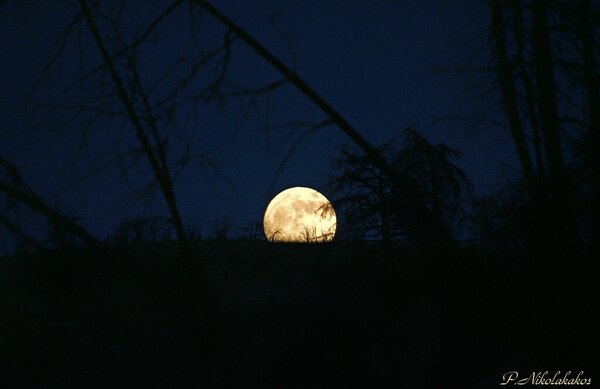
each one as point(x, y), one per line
point(299, 214)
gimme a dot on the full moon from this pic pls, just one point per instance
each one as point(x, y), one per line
point(299, 214)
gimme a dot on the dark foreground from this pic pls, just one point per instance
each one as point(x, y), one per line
point(293, 316)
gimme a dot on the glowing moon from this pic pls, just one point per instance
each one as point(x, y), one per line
point(299, 214)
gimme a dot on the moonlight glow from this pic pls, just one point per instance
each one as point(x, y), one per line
point(299, 215)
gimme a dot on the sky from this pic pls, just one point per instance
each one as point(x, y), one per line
point(383, 65)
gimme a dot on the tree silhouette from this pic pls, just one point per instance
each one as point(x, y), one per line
point(372, 203)
point(545, 55)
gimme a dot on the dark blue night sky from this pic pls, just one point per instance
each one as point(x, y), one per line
point(382, 64)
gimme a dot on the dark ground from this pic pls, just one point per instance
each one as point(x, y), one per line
point(293, 316)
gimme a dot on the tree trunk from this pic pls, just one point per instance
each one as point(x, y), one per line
point(588, 52)
point(519, 35)
point(509, 97)
point(547, 107)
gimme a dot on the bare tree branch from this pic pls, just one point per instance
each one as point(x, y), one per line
point(134, 44)
point(156, 161)
point(299, 83)
point(19, 192)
